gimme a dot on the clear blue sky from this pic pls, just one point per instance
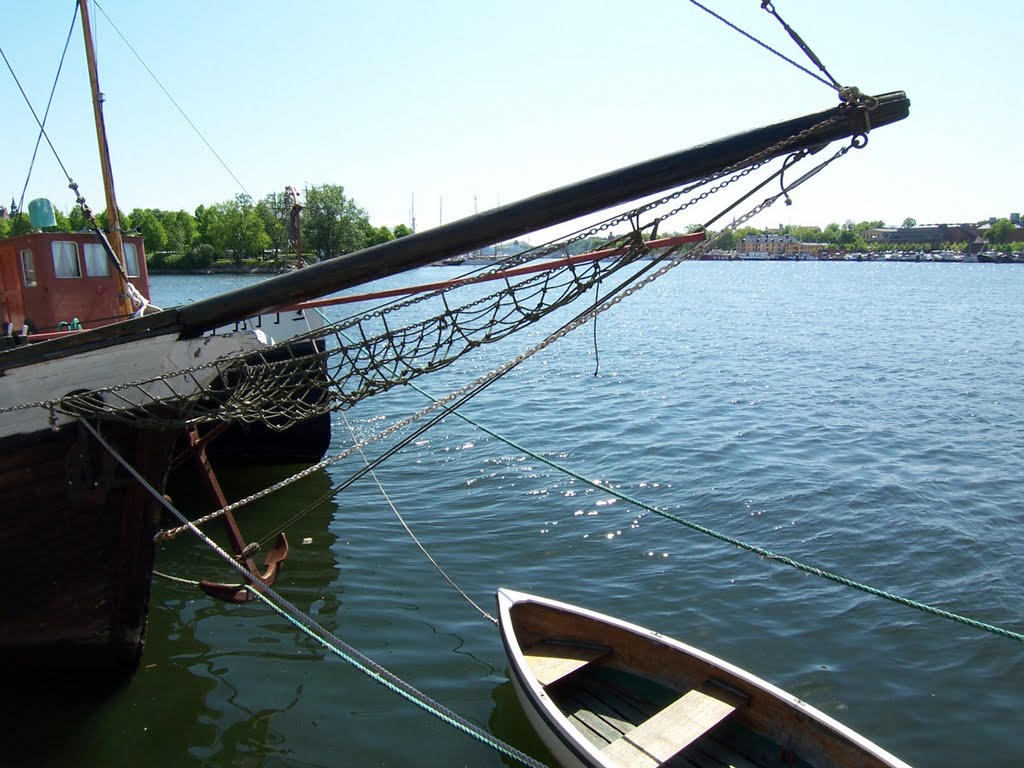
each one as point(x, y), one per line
point(456, 104)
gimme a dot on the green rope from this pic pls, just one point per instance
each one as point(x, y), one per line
point(766, 554)
point(380, 675)
point(309, 626)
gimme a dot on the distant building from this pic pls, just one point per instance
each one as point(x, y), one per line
point(774, 246)
point(932, 235)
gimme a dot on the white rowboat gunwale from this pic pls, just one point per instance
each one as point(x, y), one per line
point(603, 645)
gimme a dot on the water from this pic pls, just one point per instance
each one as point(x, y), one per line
point(867, 419)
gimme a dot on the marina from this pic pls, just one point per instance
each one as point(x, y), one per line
point(831, 412)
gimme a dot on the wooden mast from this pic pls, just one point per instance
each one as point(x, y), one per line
point(113, 218)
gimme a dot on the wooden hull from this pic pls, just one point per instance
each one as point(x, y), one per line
point(603, 692)
point(77, 533)
point(76, 527)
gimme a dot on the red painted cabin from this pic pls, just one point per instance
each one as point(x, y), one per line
point(50, 279)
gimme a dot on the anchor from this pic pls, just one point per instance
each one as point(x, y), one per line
point(274, 561)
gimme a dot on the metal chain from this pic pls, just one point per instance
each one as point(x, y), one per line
point(598, 309)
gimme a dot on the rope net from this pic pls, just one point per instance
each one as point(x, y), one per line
point(334, 367)
point(345, 362)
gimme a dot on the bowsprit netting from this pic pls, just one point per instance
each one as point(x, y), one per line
point(352, 359)
point(337, 366)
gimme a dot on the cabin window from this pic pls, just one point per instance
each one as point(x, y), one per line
point(131, 260)
point(65, 259)
point(96, 262)
point(28, 268)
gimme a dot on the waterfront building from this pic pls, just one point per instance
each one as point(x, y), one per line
point(776, 246)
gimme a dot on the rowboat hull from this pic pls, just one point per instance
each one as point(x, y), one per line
point(604, 692)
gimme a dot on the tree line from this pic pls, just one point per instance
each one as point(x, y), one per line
point(333, 224)
point(852, 236)
point(239, 229)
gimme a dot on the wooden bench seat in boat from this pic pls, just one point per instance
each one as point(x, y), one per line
point(672, 729)
point(550, 661)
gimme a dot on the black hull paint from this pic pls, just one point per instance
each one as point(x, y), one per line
point(76, 533)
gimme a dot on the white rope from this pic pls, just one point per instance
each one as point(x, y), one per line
point(412, 535)
point(327, 639)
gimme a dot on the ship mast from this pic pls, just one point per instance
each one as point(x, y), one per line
point(113, 219)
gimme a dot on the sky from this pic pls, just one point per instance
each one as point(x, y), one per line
point(431, 111)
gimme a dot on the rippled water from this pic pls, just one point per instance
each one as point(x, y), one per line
point(865, 419)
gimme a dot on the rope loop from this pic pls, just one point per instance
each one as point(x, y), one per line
point(854, 97)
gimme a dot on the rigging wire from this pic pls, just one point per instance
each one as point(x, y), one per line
point(53, 90)
point(767, 6)
point(39, 122)
point(452, 408)
point(171, 98)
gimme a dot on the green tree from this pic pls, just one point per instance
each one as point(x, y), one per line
point(725, 240)
point(908, 223)
point(234, 229)
point(332, 222)
point(104, 221)
point(76, 219)
point(63, 222)
point(19, 225)
point(378, 235)
point(746, 232)
point(200, 256)
point(850, 237)
point(401, 230)
point(1000, 232)
point(273, 210)
point(182, 230)
point(154, 235)
point(805, 234)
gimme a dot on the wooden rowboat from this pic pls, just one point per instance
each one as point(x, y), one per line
point(603, 692)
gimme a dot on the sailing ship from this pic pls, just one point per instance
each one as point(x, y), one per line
point(89, 419)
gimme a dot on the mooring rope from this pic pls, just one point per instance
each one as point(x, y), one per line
point(415, 539)
point(760, 551)
point(312, 628)
point(630, 286)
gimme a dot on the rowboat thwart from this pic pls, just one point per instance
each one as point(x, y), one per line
point(603, 692)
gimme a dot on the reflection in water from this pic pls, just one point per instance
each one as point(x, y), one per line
point(303, 510)
point(245, 665)
point(508, 722)
point(213, 676)
point(822, 410)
